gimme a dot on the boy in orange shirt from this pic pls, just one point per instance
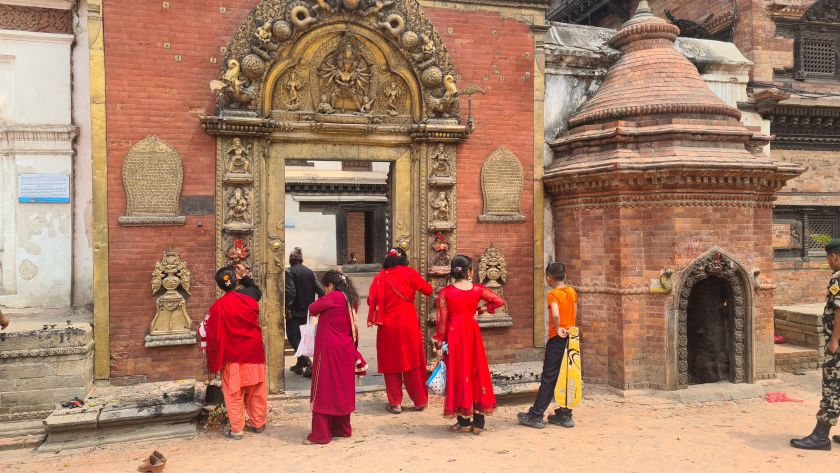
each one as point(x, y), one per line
point(561, 302)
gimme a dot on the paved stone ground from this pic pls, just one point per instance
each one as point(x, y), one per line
point(640, 433)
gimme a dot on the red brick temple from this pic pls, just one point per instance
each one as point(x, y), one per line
point(662, 204)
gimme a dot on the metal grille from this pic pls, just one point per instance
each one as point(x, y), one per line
point(820, 227)
point(818, 57)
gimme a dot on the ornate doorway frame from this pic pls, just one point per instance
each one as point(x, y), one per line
point(716, 263)
point(315, 80)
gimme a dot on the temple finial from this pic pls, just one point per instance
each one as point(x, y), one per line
point(643, 9)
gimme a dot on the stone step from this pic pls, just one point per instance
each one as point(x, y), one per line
point(126, 413)
point(21, 434)
point(790, 358)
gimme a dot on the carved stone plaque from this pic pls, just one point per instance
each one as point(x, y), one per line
point(152, 177)
point(501, 188)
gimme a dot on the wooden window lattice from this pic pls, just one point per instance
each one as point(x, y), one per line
point(816, 57)
point(820, 227)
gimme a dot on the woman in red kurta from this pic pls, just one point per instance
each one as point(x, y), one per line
point(234, 346)
point(333, 391)
point(399, 342)
point(469, 390)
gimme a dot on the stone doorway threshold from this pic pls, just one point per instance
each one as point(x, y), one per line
point(126, 413)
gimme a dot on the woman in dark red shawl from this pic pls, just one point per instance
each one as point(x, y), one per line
point(399, 342)
point(469, 390)
point(235, 347)
point(333, 390)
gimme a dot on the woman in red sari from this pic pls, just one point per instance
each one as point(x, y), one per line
point(235, 347)
point(399, 343)
point(333, 390)
point(469, 390)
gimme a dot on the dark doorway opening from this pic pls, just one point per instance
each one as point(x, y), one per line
point(710, 330)
point(361, 233)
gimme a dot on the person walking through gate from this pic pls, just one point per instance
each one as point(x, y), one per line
point(561, 302)
point(830, 403)
point(469, 389)
point(306, 288)
point(232, 334)
point(399, 342)
point(333, 391)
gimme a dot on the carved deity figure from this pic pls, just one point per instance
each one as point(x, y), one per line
point(238, 252)
point(347, 75)
point(263, 32)
point(171, 273)
point(376, 7)
point(441, 248)
point(391, 94)
point(440, 163)
point(440, 204)
point(238, 155)
point(367, 105)
point(234, 91)
point(324, 106)
point(293, 86)
point(238, 207)
point(492, 270)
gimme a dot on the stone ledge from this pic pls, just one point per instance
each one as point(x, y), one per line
point(494, 321)
point(134, 221)
point(501, 218)
point(170, 339)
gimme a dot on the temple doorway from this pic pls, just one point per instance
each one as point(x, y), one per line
point(338, 212)
point(710, 330)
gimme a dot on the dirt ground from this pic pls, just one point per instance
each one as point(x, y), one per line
point(645, 433)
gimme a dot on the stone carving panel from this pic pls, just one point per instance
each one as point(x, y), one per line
point(153, 175)
point(441, 161)
point(718, 264)
point(239, 215)
point(492, 272)
point(502, 179)
point(171, 325)
point(41, 20)
point(346, 79)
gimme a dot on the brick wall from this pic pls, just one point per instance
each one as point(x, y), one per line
point(356, 236)
point(496, 53)
point(150, 93)
point(612, 253)
point(800, 282)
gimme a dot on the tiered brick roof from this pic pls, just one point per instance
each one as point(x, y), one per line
point(655, 113)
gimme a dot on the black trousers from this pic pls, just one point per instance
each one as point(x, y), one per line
point(555, 347)
point(293, 334)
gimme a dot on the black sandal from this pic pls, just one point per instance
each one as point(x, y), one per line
point(394, 409)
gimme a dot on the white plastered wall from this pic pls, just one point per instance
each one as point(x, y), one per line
point(36, 137)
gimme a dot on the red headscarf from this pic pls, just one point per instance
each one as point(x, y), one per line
point(233, 332)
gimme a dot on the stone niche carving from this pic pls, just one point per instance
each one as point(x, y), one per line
point(501, 188)
point(440, 161)
point(715, 263)
point(171, 324)
point(152, 177)
point(441, 211)
point(238, 166)
point(492, 272)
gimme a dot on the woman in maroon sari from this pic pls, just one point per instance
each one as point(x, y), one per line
point(469, 390)
point(333, 391)
point(399, 343)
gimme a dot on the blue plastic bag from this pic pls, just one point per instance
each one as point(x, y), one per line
point(437, 381)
